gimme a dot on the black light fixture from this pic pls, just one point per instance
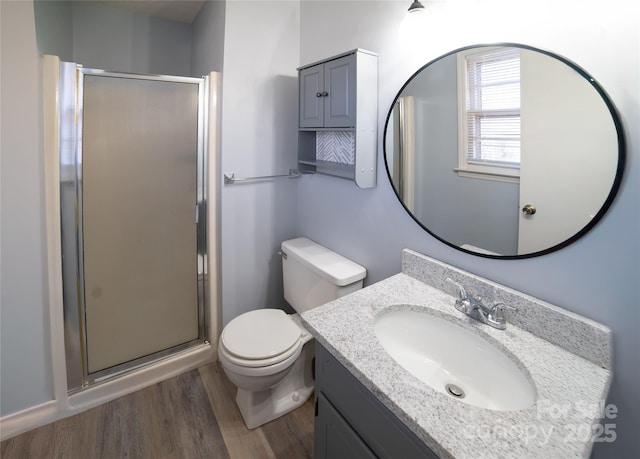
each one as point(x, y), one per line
point(415, 6)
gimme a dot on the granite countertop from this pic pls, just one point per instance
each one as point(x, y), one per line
point(570, 388)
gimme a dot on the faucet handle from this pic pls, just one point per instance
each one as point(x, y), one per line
point(461, 291)
point(463, 303)
point(497, 311)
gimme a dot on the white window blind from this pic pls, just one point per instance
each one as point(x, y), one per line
point(493, 109)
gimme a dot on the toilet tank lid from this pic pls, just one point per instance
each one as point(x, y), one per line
point(335, 268)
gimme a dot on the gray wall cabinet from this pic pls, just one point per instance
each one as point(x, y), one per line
point(338, 116)
point(328, 94)
point(352, 423)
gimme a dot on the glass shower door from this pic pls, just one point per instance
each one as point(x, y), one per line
point(139, 245)
point(139, 149)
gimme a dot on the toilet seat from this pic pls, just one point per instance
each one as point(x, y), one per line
point(260, 338)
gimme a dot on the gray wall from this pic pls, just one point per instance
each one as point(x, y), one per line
point(259, 137)
point(598, 275)
point(24, 335)
point(207, 39)
point(54, 28)
point(111, 39)
point(97, 36)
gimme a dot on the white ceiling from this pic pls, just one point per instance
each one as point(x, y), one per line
point(177, 10)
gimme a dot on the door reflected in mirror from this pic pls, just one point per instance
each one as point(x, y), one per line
point(504, 151)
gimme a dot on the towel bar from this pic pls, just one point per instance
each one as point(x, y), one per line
point(230, 179)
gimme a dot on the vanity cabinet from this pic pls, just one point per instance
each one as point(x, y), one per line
point(338, 116)
point(351, 422)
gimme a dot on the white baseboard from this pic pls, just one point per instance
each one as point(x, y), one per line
point(22, 421)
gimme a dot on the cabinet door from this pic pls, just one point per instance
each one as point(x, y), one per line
point(361, 411)
point(340, 86)
point(334, 437)
point(311, 96)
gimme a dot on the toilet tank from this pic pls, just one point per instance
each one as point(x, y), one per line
point(314, 275)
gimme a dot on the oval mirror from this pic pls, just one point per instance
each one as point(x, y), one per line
point(504, 151)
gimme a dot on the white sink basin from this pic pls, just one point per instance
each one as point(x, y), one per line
point(454, 361)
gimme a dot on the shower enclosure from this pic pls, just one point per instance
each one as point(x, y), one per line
point(133, 214)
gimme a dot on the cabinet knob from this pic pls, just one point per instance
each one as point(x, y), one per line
point(325, 94)
point(318, 94)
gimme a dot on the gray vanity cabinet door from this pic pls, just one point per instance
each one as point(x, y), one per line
point(348, 414)
point(334, 437)
point(340, 90)
point(311, 96)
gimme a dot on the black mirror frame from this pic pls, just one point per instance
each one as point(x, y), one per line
point(622, 153)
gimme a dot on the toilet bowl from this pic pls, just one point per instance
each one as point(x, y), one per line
point(258, 348)
point(271, 380)
point(267, 353)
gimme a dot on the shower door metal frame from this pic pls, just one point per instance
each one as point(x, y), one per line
point(71, 160)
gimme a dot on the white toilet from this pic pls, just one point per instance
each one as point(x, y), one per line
point(268, 354)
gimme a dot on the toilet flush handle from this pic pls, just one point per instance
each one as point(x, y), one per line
point(282, 254)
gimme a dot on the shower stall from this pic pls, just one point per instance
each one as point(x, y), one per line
point(133, 208)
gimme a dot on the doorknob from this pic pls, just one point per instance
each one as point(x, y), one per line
point(528, 209)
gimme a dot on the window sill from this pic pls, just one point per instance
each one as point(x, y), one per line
point(494, 176)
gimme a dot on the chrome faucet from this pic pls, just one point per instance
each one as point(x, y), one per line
point(474, 307)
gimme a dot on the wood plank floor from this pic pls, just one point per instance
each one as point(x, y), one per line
point(193, 415)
